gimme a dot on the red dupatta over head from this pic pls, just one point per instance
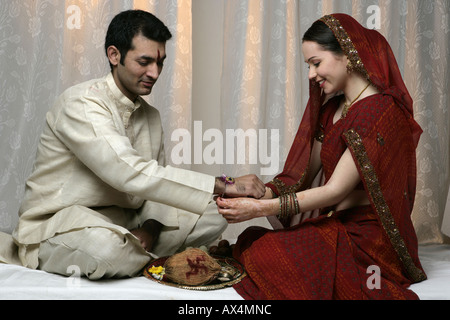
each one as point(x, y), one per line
point(372, 57)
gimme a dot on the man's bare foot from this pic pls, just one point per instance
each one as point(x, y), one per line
point(148, 234)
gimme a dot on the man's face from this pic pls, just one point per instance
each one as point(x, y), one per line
point(142, 66)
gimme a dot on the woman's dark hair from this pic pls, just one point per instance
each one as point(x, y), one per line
point(128, 24)
point(321, 34)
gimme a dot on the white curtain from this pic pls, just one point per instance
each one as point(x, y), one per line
point(49, 45)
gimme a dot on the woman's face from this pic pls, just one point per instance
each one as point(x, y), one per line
point(325, 67)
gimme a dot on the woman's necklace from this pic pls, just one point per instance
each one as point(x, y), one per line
point(347, 106)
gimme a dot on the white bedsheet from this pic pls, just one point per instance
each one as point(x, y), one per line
point(25, 284)
point(436, 262)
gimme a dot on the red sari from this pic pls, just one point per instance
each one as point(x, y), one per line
point(332, 256)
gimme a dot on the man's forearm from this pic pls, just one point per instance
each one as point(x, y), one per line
point(219, 186)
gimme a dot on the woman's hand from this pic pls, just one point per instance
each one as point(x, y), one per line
point(243, 209)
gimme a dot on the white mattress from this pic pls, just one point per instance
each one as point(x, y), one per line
point(25, 284)
point(436, 262)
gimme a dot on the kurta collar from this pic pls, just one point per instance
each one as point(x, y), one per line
point(125, 106)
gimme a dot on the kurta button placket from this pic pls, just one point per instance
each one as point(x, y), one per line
point(126, 118)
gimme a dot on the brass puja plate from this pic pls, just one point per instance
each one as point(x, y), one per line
point(233, 269)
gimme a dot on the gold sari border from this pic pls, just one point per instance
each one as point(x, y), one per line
point(283, 189)
point(355, 143)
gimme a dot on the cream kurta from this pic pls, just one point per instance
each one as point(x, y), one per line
point(101, 150)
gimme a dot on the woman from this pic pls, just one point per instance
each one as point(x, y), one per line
point(350, 237)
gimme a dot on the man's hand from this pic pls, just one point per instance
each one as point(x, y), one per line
point(148, 234)
point(245, 186)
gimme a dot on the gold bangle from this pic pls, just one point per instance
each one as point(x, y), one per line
point(289, 206)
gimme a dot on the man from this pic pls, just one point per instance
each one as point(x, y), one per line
point(100, 197)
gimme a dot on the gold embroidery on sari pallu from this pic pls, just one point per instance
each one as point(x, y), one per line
point(284, 189)
point(381, 207)
point(346, 44)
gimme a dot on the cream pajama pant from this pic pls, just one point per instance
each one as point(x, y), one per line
point(99, 252)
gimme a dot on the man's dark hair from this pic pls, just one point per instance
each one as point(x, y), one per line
point(322, 35)
point(128, 24)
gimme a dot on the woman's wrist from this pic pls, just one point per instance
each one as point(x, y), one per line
point(271, 207)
